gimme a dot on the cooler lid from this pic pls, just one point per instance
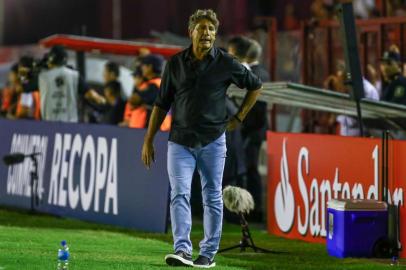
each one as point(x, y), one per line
point(359, 204)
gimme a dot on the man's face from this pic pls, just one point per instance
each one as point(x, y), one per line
point(146, 70)
point(138, 80)
point(23, 72)
point(108, 76)
point(203, 35)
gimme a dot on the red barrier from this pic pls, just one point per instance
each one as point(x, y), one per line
point(305, 171)
point(90, 44)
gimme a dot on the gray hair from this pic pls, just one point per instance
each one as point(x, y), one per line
point(254, 51)
point(201, 14)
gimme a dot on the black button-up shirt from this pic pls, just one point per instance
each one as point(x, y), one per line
point(196, 93)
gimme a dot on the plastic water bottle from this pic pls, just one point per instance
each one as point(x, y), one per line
point(63, 256)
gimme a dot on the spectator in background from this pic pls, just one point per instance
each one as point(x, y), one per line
point(253, 131)
point(325, 122)
point(9, 93)
point(253, 56)
point(373, 77)
point(147, 90)
point(238, 47)
point(395, 7)
point(135, 117)
point(385, 80)
point(147, 81)
point(235, 169)
point(395, 90)
point(363, 9)
point(111, 105)
point(60, 88)
point(348, 126)
point(28, 104)
point(319, 10)
point(142, 52)
point(97, 101)
point(111, 72)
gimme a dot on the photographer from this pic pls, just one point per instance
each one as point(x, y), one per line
point(28, 101)
point(147, 80)
point(9, 93)
point(60, 88)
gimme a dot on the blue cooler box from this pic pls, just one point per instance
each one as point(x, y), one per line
point(355, 226)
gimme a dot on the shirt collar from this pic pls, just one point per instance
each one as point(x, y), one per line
point(245, 64)
point(189, 53)
point(255, 63)
point(212, 52)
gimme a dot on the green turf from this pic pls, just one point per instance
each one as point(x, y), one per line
point(31, 242)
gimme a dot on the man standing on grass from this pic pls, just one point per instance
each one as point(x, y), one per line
point(194, 85)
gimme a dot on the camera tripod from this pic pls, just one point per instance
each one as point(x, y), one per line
point(246, 239)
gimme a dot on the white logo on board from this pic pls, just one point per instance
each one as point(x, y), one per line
point(314, 194)
point(19, 175)
point(284, 199)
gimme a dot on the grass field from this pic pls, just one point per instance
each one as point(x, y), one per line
point(31, 242)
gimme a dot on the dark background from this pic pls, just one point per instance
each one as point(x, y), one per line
point(27, 21)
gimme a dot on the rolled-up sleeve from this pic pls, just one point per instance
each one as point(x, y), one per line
point(166, 92)
point(244, 78)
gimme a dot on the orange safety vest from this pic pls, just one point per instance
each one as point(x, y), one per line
point(6, 98)
point(137, 118)
point(35, 110)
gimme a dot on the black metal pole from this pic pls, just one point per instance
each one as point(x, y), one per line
point(81, 57)
point(34, 183)
point(386, 166)
point(353, 67)
point(383, 167)
point(359, 116)
point(80, 64)
point(32, 193)
point(35, 161)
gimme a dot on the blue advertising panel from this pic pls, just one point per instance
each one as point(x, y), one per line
point(89, 172)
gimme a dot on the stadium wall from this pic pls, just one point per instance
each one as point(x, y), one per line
point(306, 170)
point(89, 172)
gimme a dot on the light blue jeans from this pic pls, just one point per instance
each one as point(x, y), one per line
point(209, 161)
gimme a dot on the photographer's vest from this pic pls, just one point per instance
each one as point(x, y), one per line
point(59, 94)
point(138, 117)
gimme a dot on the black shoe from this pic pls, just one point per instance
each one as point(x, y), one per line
point(180, 258)
point(203, 262)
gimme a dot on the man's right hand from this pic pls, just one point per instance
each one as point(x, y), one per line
point(155, 121)
point(148, 155)
point(232, 124)
point(95, 97)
